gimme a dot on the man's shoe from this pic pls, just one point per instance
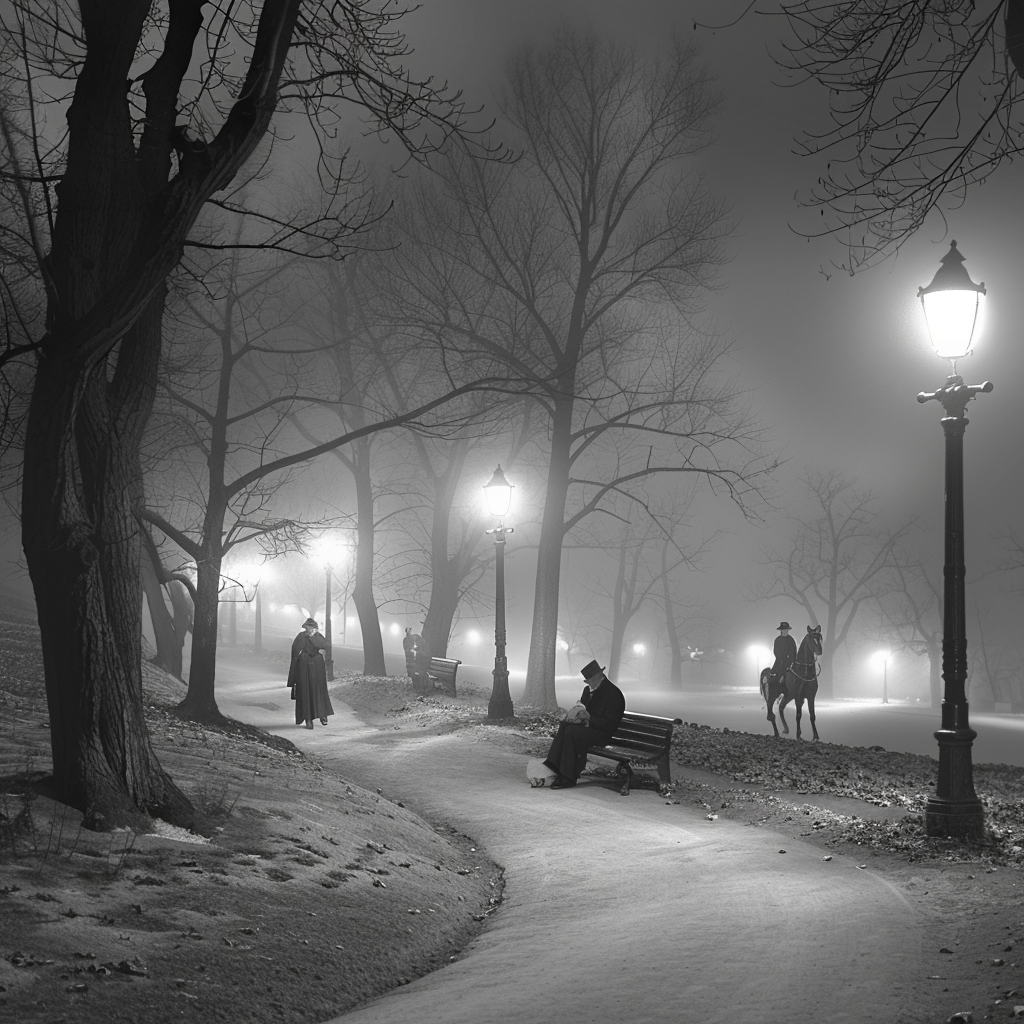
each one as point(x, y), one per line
point(561, 783)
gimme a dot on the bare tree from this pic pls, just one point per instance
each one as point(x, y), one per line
point(839, 558)
point(923, 97)
point(163, 106)
point(582, 269)
point(911, 610)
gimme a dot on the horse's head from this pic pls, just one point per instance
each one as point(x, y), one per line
point(813, 640)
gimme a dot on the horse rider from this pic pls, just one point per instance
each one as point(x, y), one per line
point(784, 650)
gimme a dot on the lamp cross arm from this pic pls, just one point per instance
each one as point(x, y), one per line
point(955, 395)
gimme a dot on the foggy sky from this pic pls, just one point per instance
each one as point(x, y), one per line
point(838, 361)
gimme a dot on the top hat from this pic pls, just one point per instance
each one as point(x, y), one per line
point(591, 669)
point(784, 625)
point(310, 622)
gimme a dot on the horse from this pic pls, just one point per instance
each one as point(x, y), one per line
point(798, 683)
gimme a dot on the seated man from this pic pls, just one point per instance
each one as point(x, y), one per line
point(591, 722)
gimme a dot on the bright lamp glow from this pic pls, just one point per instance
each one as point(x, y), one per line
point(881, 658)
point(329, 550)
point(640, 649)
point(759, 654)
point(474, 637)
point(952, 307)
point(498, 492)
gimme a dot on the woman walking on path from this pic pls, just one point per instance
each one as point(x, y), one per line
point(307, 676)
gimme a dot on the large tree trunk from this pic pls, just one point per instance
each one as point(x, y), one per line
point(540, 670)
point(200, 703)
point(82, 545)
point(118, 232)
point(170, 625)
point(362, 591)
point(671, 626)
point(622, 604)
point(168, 652)
point(444, 602)
point(447, 571)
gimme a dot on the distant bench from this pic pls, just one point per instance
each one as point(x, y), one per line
point(442, 674)
point(640, 743)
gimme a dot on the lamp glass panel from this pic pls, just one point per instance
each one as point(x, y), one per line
point(499, 497)
point(952, 318)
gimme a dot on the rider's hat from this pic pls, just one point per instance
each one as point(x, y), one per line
point(784, 625)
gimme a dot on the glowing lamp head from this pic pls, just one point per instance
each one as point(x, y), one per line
point(952, 304)
point(498, 492)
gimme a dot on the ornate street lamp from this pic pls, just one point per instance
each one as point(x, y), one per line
point(952, 303)
point(498, 492)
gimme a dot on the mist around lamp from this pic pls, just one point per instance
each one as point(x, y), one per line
point(952, 303)
point(498, 492)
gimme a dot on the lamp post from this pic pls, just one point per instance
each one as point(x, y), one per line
point(951, 305)
point(498, 492)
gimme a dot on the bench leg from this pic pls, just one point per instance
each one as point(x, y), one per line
point(627, 775)
point(664, 777)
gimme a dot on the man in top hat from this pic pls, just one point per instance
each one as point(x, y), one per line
point(784, 650)
point(592, 722)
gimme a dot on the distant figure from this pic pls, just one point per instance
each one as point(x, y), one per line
point(410, 644)
point(591, 722)
point(307, 676)
point(784, 650)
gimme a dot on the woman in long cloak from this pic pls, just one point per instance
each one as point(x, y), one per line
point(307, 676)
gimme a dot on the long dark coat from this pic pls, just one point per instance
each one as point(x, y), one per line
point(307, 677)
point(568, 753)
point(784, 650)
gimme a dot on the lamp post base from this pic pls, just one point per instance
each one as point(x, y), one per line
point(499, 707)
point(954, 819)
point(500, 710)
point(955, 809)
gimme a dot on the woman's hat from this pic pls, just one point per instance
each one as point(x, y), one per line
point(310, 622)
point(784, 625)
point(591, 669)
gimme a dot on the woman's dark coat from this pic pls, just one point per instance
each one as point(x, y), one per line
point(307, 677)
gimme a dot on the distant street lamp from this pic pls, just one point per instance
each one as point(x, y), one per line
point(882, 658)
point(498, 492)
point(639, 650)
point(951, 304)
point(760, 655)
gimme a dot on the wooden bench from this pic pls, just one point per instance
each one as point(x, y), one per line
point(442, 674)
point(640, 743)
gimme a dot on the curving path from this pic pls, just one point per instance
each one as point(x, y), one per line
point(618, 909)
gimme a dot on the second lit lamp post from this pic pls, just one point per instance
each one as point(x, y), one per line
point(951, 306)
point(498, 492)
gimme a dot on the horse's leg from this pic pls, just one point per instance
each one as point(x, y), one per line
point(770, 695)
point(810, 712)
point(782, 712)
point(799, 701)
